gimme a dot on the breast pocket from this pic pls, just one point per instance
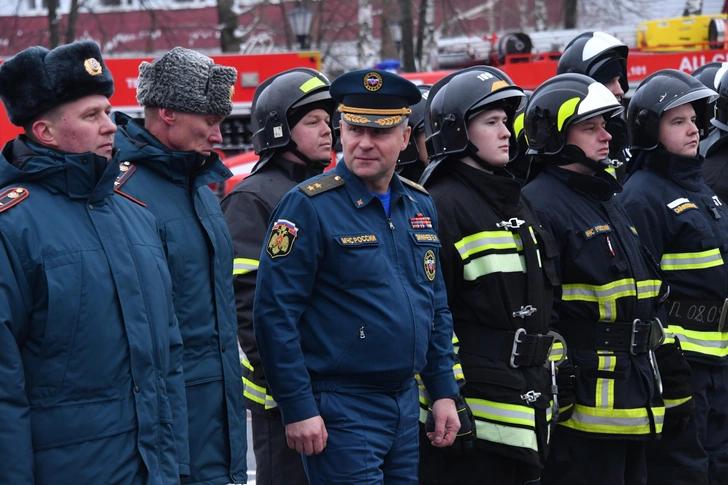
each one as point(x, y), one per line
point(426, 255)
point(361, 260)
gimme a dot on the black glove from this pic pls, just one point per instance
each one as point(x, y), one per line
point(464, 443)
point(676, 390)
point(566, 379)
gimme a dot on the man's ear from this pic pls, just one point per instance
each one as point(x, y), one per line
point(406, 133)
point(43, 132)
point(169, 116)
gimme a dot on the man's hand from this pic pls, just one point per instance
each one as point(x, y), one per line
point(308, 436)
point(447, 423)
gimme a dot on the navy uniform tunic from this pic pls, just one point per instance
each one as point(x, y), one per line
point(349, 297)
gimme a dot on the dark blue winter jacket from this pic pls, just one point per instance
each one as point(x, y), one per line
point(173, 185)
point(91, 384)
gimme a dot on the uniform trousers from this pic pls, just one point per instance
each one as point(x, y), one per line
point(699, 454)
point(275, 462)
point(576, 460)
point(372, 438)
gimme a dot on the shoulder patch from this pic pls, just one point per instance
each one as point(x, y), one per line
point(126, 170)
point(11, 197)
point(282, 236)
point(319, 186)
point(414, 185)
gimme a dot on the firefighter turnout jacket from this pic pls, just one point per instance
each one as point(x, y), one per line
point(684, 224)
point(499, 271)
point(605, 306)
point(247, 209)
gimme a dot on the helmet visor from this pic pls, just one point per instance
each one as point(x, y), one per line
point(701, 93)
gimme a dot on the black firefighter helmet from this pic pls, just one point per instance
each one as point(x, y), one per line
point(416, 121)
point(457, 98)
point(659, 92)
point(281, 99)
point(560, 102)
point(598, 55)
point(720, 120)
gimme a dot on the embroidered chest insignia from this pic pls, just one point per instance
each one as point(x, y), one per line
point(282, 236)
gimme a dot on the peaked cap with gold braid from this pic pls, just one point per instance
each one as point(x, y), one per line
point(374, 98)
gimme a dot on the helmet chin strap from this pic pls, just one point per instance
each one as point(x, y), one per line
point(574, 154)
point(472, 151)
point(314, 164)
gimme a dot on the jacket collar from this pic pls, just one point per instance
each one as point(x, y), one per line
point(297, 172)
point(83, 176)
point(502, 193)
point(601, 185)
point(358, 193)
point(687, 172)
point(139, 146)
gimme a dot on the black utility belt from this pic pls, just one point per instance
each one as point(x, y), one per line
point(515, 348)
point(697, 314)
point(637, 337)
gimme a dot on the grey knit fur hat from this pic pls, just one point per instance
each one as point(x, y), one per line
point(187, 81)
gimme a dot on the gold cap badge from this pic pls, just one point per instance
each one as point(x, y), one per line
point(92, 66)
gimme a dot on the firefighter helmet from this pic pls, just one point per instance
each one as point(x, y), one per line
point(708, 73)
point(416, 121)
point(520, 165)
point(659, 92)
point(560, 102)
point(720, 120)
point(455, 99)
point(598, 55)
point(278, 100)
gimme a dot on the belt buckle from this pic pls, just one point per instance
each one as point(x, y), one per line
point(516, 341)
point(633, 337)
point(657, 334)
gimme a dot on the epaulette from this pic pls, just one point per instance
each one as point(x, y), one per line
point(11, 197)
point(319, 186)
point(126, 169)
point(414, 185)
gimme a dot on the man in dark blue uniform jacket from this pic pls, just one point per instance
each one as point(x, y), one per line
point(91, 384)
point(351, 303)
point(167, 165)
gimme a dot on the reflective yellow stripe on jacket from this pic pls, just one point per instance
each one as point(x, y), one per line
point(708, 343)
point(507, 424)
point(614, 421)
point(243, 266)
point(687, 261)
point(505, 261)
point(605, 296)
point(255, 392)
